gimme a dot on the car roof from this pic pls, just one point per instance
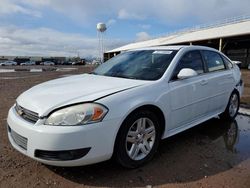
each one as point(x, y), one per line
point(175, 47)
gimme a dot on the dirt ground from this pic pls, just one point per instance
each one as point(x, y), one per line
point(246, 78)
point(213, 154)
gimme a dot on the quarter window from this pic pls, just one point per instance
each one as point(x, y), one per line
point(190, 60)
point(213, 61)
point(227, 62)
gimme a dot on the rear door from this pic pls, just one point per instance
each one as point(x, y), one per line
point(220, 78)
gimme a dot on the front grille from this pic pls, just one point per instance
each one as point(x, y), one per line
point(18, 139)
point(27, 114)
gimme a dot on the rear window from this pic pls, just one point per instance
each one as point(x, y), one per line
point(213, 61)
point(227, 62)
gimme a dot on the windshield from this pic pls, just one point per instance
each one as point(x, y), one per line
point(142, 65)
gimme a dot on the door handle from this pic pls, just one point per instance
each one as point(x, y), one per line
point(204, 82)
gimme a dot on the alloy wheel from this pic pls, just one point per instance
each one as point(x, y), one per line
point(233, 105)
point(140, 138)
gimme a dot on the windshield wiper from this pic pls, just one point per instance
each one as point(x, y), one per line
point(114, 75)
point(123, 76)
point(93, 73)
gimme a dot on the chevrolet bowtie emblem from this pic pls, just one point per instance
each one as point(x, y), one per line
point(20, 112)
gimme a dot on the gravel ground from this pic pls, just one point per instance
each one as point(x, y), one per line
point(213, 154)
point(246, 94)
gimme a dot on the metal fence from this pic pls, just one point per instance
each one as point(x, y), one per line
point(219, 23)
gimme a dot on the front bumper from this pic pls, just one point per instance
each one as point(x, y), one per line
point(97, 139)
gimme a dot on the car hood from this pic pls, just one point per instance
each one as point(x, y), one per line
point(53, 94)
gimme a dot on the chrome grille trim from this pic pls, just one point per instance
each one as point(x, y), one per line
point(26, 114)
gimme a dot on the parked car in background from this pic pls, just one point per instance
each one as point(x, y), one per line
point(71, 62)
point(239, 63)
point(67, 63)
point(48, 63)
point(78, 63)
point(125, 106)
point(28, 63)
point(95, 62)
point(8, 63)
point(249, 66)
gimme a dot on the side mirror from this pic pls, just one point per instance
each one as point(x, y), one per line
point(186, 73)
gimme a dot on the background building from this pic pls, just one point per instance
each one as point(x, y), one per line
point(232, 37)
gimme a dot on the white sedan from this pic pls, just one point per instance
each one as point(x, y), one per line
point(48, 63)
point(125, 106)
point(28, 63)
point(8, 63)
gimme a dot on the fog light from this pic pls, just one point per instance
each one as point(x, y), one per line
point(63, 155)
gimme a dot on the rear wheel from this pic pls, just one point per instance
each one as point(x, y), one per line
point(232, 108)
point(138, 139)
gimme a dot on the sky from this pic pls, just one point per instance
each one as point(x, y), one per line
point(68, 27)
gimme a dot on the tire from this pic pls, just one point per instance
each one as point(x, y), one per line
point(232, 107)
point(137, 139)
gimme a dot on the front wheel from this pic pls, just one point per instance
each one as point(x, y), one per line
point(232, 108)
point(137, 139)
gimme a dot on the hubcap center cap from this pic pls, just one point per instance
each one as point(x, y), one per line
point(139, 138)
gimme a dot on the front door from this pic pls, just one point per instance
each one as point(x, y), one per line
point(189, 97)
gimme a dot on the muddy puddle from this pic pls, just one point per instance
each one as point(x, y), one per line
point(238, 134)
point(233, 137)
point(208, 149)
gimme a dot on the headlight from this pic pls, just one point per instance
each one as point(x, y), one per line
point(77, 115)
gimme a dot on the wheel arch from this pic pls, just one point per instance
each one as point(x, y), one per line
point(236, 91)
point(153, 108)
point(157, 111)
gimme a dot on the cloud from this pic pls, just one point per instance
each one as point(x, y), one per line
point(111, 22)
point(124, 14)
point(10, 7)
point(141, 36)
point(49, 42)
point(80, 11)
point(145, 26)
point(37, 3)
point(171, 11)
point(37, 40)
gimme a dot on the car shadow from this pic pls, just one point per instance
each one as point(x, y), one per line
point(205, 150)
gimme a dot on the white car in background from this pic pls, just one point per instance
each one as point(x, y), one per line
point(48, 63)
point(28, 63)
point(8, 63)
point(125, 106)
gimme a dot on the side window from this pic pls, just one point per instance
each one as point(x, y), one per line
point(190, 60)
point(227, 62)
point(213, 60)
